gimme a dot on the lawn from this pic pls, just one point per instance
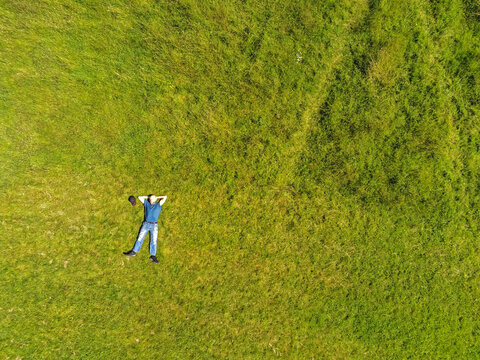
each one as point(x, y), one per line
point(321, 161)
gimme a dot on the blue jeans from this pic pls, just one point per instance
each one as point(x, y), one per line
point(153, 229)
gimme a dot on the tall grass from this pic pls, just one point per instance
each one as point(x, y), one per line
point(321, 165)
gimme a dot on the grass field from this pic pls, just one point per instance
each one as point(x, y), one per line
point(321, 161)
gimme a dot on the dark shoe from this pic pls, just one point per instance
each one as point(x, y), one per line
point(154, 259)
point(130, 253)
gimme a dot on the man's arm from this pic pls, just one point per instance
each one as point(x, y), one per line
point(142, 198)
point(162, 200)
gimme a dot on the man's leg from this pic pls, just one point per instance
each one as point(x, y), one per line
point(140, 237)
point(153, 240)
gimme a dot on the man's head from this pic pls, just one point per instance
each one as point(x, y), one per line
point(152, 198)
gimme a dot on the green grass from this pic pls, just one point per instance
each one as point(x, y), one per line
point(326, 208)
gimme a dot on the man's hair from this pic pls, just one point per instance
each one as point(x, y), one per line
point(149, 196)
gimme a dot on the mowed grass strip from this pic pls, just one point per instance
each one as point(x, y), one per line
point(320, 161)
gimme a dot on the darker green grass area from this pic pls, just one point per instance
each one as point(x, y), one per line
point(321, 165)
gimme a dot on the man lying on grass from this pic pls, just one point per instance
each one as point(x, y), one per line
point(150, 224)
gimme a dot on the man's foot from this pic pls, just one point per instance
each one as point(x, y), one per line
point(154, 259)
point(130, 253)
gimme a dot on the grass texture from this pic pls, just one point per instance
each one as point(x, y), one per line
point(321, 161)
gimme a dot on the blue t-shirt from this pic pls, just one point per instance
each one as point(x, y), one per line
point(152, 211)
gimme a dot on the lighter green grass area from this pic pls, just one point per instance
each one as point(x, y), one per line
point(321, 161)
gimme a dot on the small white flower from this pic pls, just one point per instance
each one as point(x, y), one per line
point(299, 57)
